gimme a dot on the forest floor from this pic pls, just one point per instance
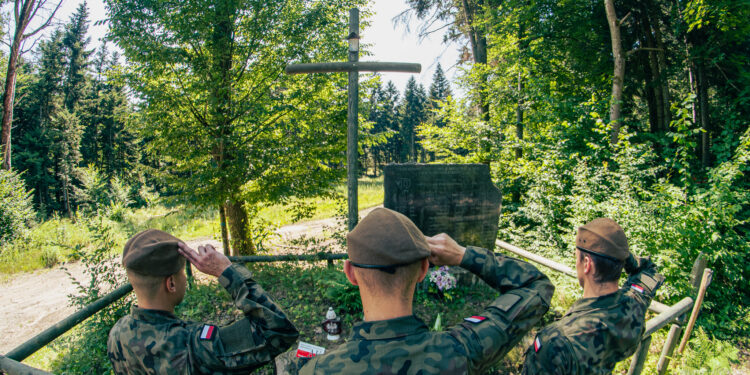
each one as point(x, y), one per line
point(34, 301)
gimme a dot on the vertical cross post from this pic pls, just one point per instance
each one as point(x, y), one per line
point(352, 67)
point(352, 151)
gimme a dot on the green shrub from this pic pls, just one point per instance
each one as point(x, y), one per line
point(669, 218)
point(84, 349)
point(16, 211)
point(707, 355)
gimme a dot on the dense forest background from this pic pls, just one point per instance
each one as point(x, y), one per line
point(635, 110)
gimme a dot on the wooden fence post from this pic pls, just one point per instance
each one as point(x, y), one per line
point(669, 345)
point(695, 274)
point(705, 282)
point(639, 359)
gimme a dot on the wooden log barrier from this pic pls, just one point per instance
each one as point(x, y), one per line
point(669, 345)
point(639, 358)
point(37, 342)
point(11, 367)
point(705, 282)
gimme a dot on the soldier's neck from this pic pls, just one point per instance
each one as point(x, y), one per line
point(384, 308)
point(593, 290)
point(154, 303)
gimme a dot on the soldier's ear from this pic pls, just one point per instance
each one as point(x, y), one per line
point(423, 269)
point(588, 264)
point(170, 284)
point(349, 272)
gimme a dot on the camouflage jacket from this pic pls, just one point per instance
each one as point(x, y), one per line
point(157, 342)
point(405, 345)
point(596, 333)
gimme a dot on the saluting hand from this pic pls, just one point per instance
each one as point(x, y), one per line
point(206, 259)
point(444, 251)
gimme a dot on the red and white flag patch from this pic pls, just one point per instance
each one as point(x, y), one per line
point(637, 288)
point(208, 332)
point(307, 350)
point(537, 345)
point(475, 318)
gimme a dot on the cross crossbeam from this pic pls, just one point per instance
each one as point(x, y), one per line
point(359, 66)
point(353, 67)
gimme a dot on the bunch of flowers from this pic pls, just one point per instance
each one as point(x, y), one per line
point(442, 279)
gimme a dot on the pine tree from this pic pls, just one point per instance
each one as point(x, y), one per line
point(389, 100)
point(108, 143)
point(34, 146)
point(412, 114)
point(440, 89)
point(75, 42)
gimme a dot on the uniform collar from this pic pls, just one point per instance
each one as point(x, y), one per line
point(594, 303)
point(152, 316)
point(388, 329)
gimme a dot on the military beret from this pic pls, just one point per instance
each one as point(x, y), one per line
point(604, 237)
point(386, 238)
point(152, 253)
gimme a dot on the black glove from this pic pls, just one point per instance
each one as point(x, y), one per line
point(632, 265)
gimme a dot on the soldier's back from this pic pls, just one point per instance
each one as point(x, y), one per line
point(153, 343)
point(591, 338)
point(400, 346)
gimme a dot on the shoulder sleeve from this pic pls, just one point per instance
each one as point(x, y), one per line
point(645, 280)
point(550, 354)
point(249, 343)
point(525, 297)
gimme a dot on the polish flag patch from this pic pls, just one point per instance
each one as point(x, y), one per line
point(307, 350)
point(637, 288)
point(475, 318)
point(537, 345)
point(208, 332)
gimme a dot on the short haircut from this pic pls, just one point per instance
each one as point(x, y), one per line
point(607, 270)
point(390, 283)
point(147, 284)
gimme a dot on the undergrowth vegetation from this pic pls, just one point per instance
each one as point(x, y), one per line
point(59, 240)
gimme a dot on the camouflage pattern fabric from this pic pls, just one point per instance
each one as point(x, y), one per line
point(596, 333)
point(157, 342)
point(405, 345)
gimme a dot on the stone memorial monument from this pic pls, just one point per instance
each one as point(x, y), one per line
point(458, 199)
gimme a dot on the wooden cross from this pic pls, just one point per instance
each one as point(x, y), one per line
point(353, 67)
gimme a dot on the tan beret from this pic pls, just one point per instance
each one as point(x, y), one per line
point(153, 253)
point(603, 236)
point(386, 238)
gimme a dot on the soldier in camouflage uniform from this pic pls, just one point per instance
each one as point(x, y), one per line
point(388, 255)
point(605, 326)
point(152, 340)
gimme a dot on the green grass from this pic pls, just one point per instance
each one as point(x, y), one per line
point(370, 193)
point(58, 239)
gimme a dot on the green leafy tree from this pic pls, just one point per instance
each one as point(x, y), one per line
point(231, 128)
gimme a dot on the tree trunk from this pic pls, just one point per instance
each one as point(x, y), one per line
point(240, 242)
point(224, 233)
point(662, 63)
point(23, 11)
point(10, 91)
point(618, 77)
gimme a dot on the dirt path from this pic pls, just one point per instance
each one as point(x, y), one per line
point(32, 302)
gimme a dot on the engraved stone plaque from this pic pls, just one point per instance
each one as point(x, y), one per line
point(458, 199)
